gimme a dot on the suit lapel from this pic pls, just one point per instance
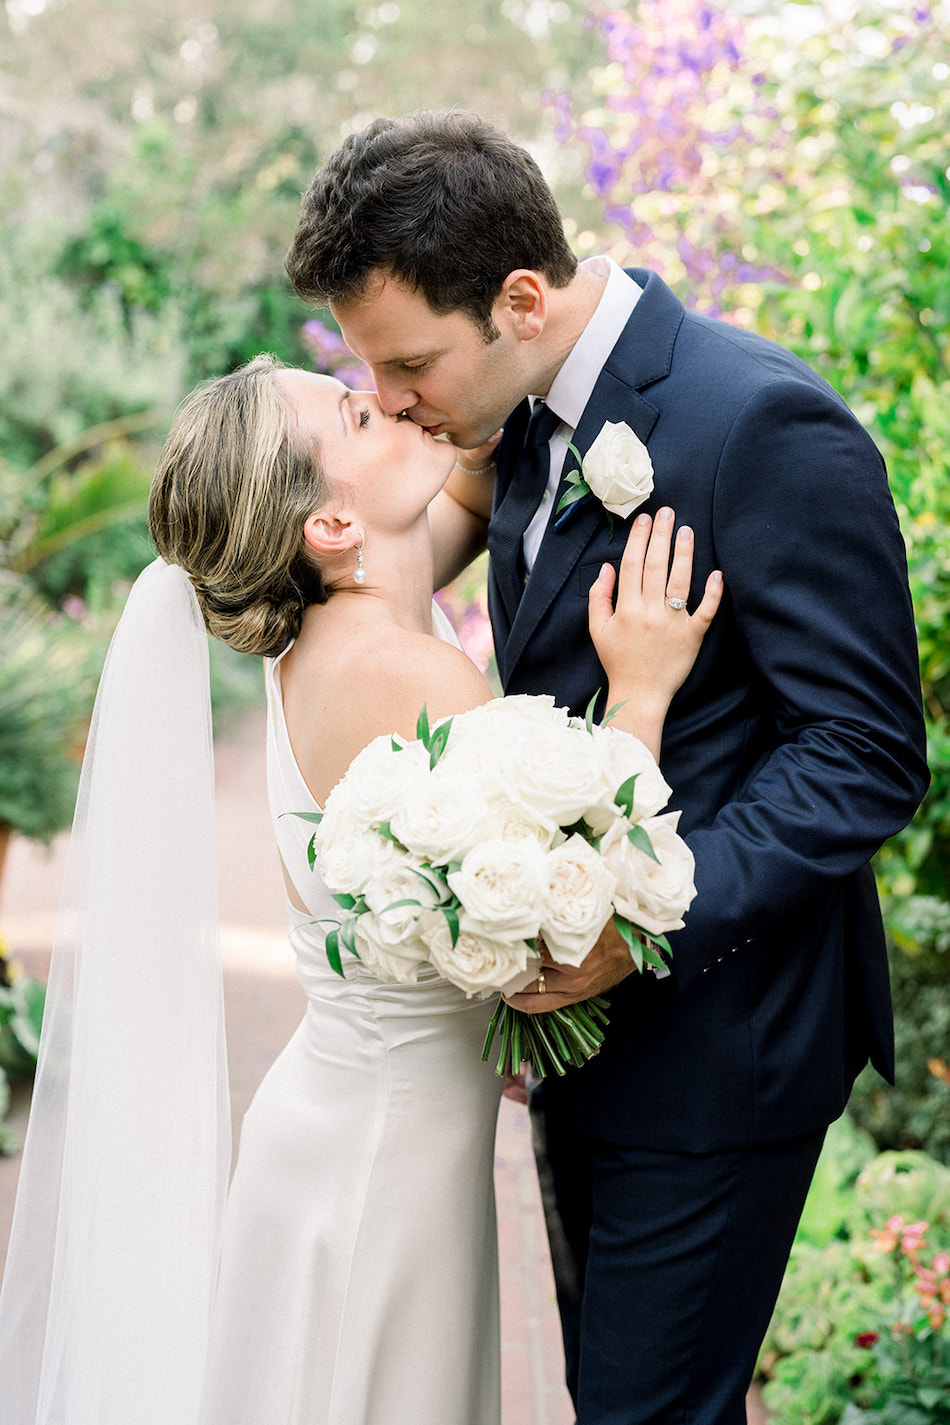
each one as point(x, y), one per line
point(642, 355)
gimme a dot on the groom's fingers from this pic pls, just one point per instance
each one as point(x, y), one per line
point(607, 964)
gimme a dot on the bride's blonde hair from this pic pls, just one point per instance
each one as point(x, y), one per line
point(231, 492)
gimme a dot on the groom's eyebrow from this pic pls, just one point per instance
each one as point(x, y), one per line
point(410, 357)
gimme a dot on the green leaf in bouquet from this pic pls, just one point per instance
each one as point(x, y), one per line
point(641, 840)
point(422, 725)
point(356, 904)
point(589, 713)
point(451, 912)
point(397, 905)
point(656, 939)
point(315, 818)
point(332, 947)
point(642, 944)
point(632, 941)
point(609, 716)
point(433, 877)
point(386, 832)
point(437, 742)
point(652, 958)
point(347, 935)
point(624, 795)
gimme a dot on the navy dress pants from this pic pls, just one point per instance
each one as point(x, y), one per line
point(667, 1267)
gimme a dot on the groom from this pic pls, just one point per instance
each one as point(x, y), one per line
point(681, 1155)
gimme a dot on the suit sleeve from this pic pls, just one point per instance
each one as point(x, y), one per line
point(814, 563)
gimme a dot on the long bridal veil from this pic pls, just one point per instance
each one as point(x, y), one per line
point(106, 1295)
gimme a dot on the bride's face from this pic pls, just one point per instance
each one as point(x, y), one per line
point(390, 467)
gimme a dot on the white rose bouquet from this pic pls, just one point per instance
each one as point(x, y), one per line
point(498, 828)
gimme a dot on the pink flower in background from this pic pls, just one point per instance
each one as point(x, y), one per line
point(330, 353)
point(466, 603)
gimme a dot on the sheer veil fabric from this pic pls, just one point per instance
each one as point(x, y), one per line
point(106, 1296)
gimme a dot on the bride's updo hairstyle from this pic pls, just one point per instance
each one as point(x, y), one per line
point(231, 492)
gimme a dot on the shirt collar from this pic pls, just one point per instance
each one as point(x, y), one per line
point(573, 385)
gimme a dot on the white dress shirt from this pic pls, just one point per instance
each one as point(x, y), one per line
point(573, 385)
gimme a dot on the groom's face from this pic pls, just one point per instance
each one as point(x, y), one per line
point(438, 368)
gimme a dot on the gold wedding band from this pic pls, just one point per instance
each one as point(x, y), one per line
point(542, 987)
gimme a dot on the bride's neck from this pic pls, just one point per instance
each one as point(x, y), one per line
point(398, 582)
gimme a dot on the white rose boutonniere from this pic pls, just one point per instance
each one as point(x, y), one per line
point(617, 469)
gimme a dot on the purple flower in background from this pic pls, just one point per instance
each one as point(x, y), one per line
point(330, 353)
point(686, 134)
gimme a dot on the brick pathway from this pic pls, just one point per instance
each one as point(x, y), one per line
point(263, 1006)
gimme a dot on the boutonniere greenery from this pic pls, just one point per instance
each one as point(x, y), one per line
point(617, 469)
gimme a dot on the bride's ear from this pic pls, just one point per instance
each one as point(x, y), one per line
point(327, 534)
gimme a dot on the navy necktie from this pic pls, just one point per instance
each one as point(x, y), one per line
point(528, 484)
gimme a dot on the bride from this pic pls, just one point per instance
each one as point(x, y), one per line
point(351, 1278)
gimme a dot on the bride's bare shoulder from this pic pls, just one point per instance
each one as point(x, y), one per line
point(339, 696)
point(408, 669)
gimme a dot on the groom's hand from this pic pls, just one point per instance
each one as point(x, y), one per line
point(607, 964)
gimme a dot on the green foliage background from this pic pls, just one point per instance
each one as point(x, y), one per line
point(785, 165)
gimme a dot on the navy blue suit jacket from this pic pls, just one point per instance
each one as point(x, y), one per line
point(794, 749)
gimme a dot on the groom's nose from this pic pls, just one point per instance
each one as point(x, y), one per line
point(394, 395)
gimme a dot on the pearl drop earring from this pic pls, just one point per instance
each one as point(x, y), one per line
point(359, 574)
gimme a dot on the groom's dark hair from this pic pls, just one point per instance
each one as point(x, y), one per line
point(440, 200)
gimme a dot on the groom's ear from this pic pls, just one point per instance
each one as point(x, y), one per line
point(328, 534)
point(524, 302)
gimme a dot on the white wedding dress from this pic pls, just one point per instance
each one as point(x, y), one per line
point(358, 1280)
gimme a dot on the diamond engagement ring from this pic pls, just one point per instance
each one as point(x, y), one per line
point(676, 603)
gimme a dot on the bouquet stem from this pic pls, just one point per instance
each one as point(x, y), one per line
point(549, 1042)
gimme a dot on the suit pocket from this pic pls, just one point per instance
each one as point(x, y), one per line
point(586, 573)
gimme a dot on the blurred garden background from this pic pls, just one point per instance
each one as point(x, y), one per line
point(785, 166)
